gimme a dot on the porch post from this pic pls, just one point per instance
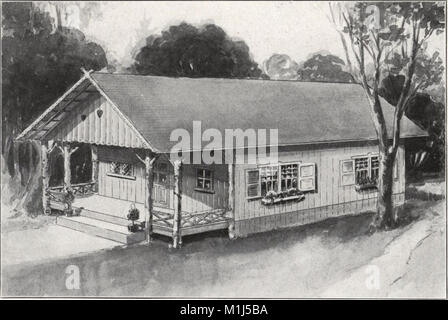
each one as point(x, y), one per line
point(67, 171)
point(177, 237)
point(45, 177)
point(94, 150)
point(231, 204)
point(149, 165)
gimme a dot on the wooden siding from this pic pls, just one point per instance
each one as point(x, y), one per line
point(116, 187)
point(193, 200)
point(109, 129)
point(329, 191)
point(307, 216)
point(134, 190)
point(331, 199)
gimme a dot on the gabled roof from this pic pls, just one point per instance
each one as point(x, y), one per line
point(303, 112)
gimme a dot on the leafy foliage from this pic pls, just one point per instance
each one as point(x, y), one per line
point(186, 51)
point(328, 68)
point(391, 35)
point(40, 63)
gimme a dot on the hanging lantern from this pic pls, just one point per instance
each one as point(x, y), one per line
point(99, 112)
point(83, 117)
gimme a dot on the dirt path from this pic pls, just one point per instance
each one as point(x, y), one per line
point(412, 266)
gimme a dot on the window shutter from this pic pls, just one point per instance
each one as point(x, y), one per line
point(252, 183)
point(347, 172)
point(307, 176)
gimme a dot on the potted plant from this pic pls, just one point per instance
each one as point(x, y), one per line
point(133, 215)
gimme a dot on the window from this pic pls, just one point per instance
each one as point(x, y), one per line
point(361, 170)
point(289, 176)
point(121, 169)
point(204, 180)
point(161, 176)
point(278, 178)
point(268, 179)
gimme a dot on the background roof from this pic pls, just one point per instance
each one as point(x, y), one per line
point(303, 112)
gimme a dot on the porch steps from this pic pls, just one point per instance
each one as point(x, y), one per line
point(121, 221)
point(103, 229)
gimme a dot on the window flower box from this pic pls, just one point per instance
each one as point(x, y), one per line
point(366, 184)
point(273, 197)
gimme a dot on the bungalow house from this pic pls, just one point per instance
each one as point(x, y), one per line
point(327, 162)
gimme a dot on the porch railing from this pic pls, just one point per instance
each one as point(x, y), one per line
point(191, 219)
point(78, 189)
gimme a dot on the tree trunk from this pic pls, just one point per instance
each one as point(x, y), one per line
point(385, 218)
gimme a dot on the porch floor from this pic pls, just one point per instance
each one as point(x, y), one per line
point(111, 206)
point(114, 211)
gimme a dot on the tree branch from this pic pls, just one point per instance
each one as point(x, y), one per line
point(373, 97)
point(406, 92)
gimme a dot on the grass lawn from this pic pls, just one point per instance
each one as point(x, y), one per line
point(325, 259)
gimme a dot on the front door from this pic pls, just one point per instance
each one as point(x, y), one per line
point(162, 185)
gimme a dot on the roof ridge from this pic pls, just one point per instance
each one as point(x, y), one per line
point(223, 79)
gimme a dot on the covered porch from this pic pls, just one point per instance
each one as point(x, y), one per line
point(113, 211)
point(106, 217)
point(86, 116)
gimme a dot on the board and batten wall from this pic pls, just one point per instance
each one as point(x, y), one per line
point(95, 120)
point(135, 189)
point(330, 199)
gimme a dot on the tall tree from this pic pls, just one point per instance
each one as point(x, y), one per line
point(389, 33)
point(320, 67)
point(186, 51)
point(39, 62)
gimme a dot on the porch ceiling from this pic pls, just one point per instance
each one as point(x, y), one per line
point(58, 111)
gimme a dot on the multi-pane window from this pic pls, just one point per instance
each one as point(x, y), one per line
point(280, 178)
point(289, 175)
point(121, 168)
point(204, 179)
point(362, 171)
point(268, 179)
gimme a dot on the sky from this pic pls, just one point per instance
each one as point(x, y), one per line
point(293, 28)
